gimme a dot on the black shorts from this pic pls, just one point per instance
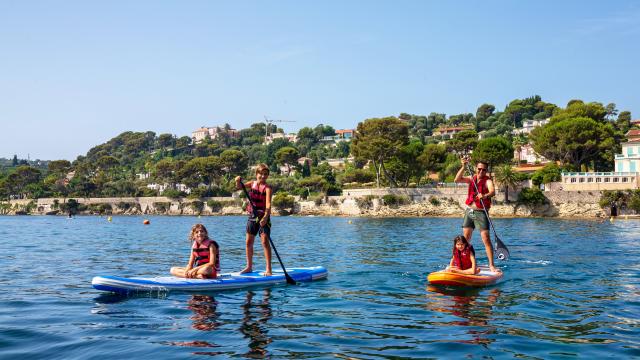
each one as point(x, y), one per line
point(253, 227)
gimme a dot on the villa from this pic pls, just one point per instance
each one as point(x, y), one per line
point(271, 137)
point(525, 154)
point(449, 132)
point(341, 135)
point(626, 175)
point(213, 133)
point(529, 125)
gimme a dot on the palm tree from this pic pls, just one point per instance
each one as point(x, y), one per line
point(505, 176)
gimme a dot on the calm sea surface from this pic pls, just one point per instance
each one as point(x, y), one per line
point(572, 289)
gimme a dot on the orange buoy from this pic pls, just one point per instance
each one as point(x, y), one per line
point(146, 222)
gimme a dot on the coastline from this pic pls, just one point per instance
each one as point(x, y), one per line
point(357, 203)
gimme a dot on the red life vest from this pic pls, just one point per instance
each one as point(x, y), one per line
point(471, 193)
point(462, 259)
point(258, 196)
point(201, 252)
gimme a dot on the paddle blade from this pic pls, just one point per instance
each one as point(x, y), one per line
point(290, 280)
point(502, 253)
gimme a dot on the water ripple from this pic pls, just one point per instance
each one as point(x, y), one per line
point(567, 292)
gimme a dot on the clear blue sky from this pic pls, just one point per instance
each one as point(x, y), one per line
point(74, 74)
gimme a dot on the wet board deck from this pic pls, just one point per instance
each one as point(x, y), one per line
point(225, 281)
point(484, 278)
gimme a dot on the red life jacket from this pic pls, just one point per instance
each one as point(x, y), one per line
point(471, 193)
point(258, 196)
point(201, 252)
point(462, 259)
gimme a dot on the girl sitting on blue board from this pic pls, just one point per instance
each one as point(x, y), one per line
point(204, 261)
point(464, 257)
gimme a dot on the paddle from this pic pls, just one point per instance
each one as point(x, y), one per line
point(500, 248)
point(253, 208)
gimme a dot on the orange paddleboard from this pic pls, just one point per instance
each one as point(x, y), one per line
point(483, 278)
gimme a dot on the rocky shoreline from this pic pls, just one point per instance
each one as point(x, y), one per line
point(434, 205)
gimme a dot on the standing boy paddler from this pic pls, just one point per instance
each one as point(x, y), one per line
point(259, 220)
point(474, 215)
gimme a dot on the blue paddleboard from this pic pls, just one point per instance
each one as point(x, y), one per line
point(225, 281)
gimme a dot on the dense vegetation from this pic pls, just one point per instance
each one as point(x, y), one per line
point(389, 151)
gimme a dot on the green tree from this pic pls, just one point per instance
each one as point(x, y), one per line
point(495, 151)
point(623, 123)
point(579, 109)
point(287, 156)
point(21, 178)
point(507, 178)
point(107, 162)
point(549, 173)
point(313, 183)
point(574, 141)
point(235, 162)
point(59, 166)
point(206, 170)
point(463, 141)
point(378, 140)
point(165, 141)
point(433, 157)
point(403, 167)
point(164, 171)
point(610, 111)
point(484, 111)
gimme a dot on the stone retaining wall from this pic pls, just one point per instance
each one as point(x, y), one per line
point(423, 202)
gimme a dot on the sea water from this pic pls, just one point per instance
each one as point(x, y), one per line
point(571, 289)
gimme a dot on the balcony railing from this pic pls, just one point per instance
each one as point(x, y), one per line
point(599, 174)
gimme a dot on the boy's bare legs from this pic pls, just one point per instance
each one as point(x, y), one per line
point(267, 253)
point(249, 248)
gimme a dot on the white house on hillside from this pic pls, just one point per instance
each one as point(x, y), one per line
point(528, 125)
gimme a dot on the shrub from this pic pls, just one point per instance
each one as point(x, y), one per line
point(332, 190)
point(215, 205)
point(162, 206)
point(365, 202)
point(358, 176)
point(146, 192)
point(173, 194)
point(434, 201)
point(610, 197)
point(549, 173)
point(282, 200)
point(72, 206)
point(100, 208)
point(532, 196)
point(123, 205)
point(395, 200)
point(197, 206)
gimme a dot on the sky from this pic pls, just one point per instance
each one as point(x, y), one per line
point(74, 74)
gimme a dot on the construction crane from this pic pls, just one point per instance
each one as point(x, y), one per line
point(268, 121)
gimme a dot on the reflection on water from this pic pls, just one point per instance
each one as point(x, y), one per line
point(254, 322)
point(470, 307)
point(570, 290)
point(204, 312)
